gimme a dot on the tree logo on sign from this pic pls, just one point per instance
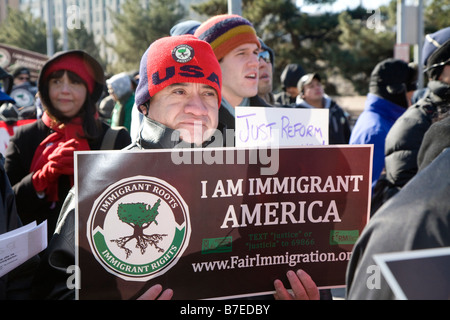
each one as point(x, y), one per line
point(138, 228)
point(139, 217)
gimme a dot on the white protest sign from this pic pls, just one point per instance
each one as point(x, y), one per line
point(265, 126)
point(21, 244)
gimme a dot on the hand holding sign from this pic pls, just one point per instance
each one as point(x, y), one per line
point(303, 287)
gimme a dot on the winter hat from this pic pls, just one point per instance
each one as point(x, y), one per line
point(80, 63)
point(185, 27)
point(21, 70)
point(391, 79)
point(177, 59)
point(226, 32)
point(437, 60)
point(120, 83)
point(264, 47)
point(432, 42)
point(291, 75)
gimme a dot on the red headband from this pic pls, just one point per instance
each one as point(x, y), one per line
point(77, 65)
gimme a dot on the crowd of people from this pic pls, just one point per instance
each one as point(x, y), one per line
point(162, 106)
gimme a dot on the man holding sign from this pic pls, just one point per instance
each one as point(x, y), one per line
point(194, 227)
point(179, 93)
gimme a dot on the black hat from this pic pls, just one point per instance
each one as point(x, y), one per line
point(437, 60)
point(391, 79)
point(20, 70)
point(290, 75)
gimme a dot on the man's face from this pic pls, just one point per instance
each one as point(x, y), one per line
point(191, 108)
point(21, 79)
point(265, 73)
point(240, 73)
point(313, 91)
point(445, 75)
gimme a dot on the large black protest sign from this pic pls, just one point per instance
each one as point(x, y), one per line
point(217, 223)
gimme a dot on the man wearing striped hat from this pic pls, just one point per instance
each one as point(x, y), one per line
point(236, 46)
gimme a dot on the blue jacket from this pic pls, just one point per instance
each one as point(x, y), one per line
point(5, 98)
point(373, 125)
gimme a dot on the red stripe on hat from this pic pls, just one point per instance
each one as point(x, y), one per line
point(75, 64)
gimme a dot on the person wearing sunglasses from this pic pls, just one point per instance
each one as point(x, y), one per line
point(265, 80)
point(24, 90)
point(21, 75)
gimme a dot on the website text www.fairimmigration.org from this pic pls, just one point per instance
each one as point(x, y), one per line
point(260, 261)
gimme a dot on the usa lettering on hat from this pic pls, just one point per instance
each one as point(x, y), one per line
point(177, 59)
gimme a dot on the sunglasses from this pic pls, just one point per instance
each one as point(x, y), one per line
point(443, 63)
point(265, 55)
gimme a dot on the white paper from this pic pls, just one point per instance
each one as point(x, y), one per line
point(262, 126)
point(19, 245)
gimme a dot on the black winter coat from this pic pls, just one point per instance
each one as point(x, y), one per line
point(405, 137)
point(15, 285)
point(417, 217)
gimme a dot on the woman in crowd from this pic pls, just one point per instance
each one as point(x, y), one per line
point(40, 156)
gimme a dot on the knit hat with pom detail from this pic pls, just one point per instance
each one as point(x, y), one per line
point(177, 59)
point(226, 32)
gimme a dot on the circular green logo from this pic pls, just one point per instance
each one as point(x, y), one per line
point(138, 228)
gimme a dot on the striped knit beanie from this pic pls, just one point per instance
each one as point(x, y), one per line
point(226, 32)
point(177, 59)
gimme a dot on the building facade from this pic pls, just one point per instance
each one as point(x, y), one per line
point(69, 14)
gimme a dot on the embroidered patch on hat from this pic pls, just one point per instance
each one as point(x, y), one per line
point(183, 53)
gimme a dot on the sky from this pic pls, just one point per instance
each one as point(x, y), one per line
point(341, 5)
